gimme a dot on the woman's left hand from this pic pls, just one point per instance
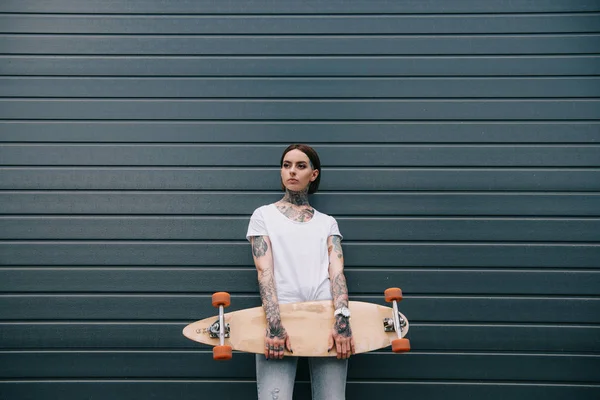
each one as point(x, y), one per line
point(341, 337)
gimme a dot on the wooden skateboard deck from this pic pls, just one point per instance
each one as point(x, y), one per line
point(308, 324)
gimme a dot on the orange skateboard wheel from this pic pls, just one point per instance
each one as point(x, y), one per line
point(222, 352)
point(392, 294)
point(221, 299)
point(400, 345)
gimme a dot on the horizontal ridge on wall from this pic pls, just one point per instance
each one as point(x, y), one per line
point(301, 24)
point(423, 336)
point(298, 110)
point(278, 65)
point(190, 307)
point(301, 88)
point(528, 44)
point(571, 204)
point(333, 155)
point(284, 132)
point(120, 389)
point(338, 179)
point(369, 280)
point(189, 364)
point(385, 254)
point(226, 227)
point(294, 7)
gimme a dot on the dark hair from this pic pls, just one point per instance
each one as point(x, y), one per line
point(315, 163)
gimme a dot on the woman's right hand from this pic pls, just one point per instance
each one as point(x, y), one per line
point(276, 340)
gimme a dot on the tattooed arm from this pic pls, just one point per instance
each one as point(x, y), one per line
point(341, 333)
point(276, 337)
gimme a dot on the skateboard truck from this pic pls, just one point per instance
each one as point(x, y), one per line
point(396, 323)
point(219, 328)
point(390, 326)
point(214, 330)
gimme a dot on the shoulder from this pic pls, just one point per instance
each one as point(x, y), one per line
point(323, 215)
point(329, 223)
point(261, 209)
point(326, 218)
point(261, 212)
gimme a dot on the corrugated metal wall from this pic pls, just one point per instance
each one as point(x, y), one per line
point(460, 143)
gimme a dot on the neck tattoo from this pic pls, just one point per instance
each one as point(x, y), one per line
point(294, 205)
point(296, 198)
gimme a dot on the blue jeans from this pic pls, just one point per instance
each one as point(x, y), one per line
point(275, 378)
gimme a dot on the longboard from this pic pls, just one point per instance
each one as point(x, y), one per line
point(308, 324)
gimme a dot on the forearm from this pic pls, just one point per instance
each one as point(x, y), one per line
point(339, 288)
point(339, 293)
point(268, 296)
point(276, 338)
point(263, 260)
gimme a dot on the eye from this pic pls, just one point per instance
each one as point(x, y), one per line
point(301, 166)
point(286, 165)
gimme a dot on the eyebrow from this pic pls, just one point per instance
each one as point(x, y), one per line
point(297, 162)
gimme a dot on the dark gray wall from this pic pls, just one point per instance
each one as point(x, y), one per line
point(461, 151)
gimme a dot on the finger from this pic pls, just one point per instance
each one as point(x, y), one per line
point(352, 345)
point(344, 349)
point(266, 348)
point(288, 344)
point(330, 342)
point(274, 346)
point(338, 347)
point(266, 345)
point(271, 355)
point(280, 346)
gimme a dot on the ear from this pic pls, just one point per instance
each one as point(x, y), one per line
point(314, 175)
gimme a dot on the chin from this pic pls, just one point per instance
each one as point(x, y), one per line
point(296, 188)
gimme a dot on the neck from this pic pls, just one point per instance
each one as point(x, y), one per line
point(296, 198)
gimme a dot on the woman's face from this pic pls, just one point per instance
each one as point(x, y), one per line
point(296, 171)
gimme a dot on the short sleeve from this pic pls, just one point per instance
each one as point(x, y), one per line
point(257, 226)
point(333, 229)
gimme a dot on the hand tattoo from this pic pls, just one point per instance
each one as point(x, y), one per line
point(276, 331)
point(342, 326)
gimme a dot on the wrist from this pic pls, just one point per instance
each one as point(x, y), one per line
point(342, 311)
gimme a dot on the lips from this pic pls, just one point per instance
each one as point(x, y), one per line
point(293, 180)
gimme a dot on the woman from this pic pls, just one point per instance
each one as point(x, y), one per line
point(298, 255)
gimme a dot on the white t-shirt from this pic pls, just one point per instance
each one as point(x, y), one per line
point(300, 256)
